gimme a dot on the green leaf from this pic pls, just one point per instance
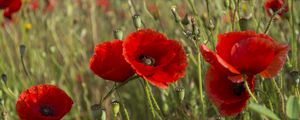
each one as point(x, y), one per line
point(263, 111)
point(292, 107)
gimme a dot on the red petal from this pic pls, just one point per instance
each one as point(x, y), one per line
point(29, 103)
point(252, 55)
point(5, 3)
point(280, 56)
point(220, 89)
point(232, 108)
point(169, 56)
point(227, 40)
point(15, 6)
point(109, 63)
point(216, 61)
point(275, 5)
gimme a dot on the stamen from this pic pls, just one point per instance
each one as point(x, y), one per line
point(46, 111)
point(146, 60)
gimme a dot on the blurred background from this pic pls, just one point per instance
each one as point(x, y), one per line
point(56, 46)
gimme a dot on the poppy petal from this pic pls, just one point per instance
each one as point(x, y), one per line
point(252, 55)
point(221, 90)
point(232, 108)
point(216, 61)
point(167, 57)
point(43, 102)
point(280, 56)
point(227, 40)
point(109, 63)
point(15, 6)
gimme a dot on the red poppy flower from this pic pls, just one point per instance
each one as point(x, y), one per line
point(34, 5)
point(13, 7)
point(103, 4)
point(49, 5)
point(240, 54)
point(275, 5)
point(43, 102)
point(109, 63)
point(157, 59)
point(5, 3)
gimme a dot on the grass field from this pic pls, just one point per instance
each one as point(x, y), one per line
point(55, 47)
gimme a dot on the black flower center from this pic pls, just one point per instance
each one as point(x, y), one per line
point(146, 60)
point(46, 111)
point(238, 89)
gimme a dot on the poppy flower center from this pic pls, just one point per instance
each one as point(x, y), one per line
point(46, 111)
point(238, 89)
point(147, 60)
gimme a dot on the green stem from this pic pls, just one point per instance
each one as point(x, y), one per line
point(146, 89)
point(201, 86)
point(281, 99)
point(249, 91)
point(117, 87)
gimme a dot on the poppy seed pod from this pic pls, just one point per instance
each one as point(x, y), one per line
point(116, 107)
point(118, 34)
point(137, 21)
point(246, 23)
point(4, 78)
point(98, 112)
point(22, 49)
point(180, 94)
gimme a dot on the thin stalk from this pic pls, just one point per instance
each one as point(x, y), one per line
point(154, 100)
point(147, 92)
point(281, 99)
point(115, 87)
point(249, 91)
point(294, 40)
point(236, 4)
point(201, 86)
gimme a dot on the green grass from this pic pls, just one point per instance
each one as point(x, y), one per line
point(60, 44)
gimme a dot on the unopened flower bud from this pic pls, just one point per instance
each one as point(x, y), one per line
point(98, 112)
point(4, 78)
point(175, 14)
point(185, 20)
point(246, 23)
point(137, 21)
point(22, 50)
point(116, 107)
point(118, 34)
point(295, 76)
point(180, 93)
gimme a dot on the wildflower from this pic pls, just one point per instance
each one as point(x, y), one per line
point(238, 58)
point(43, 102)
point(155, 58)
point(109, 63)
point(272, 6)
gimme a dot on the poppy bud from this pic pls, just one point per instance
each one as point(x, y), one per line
point(180, 94)
point(137, 21)
point(295, 76)
point(116, 107)
point(4, 78)
point(185, 20)
point(194, 27)
point(246, 23)
point(118, 34)
point(98, 112)
point(175, 14)
point(22, 50)
point(226, 3)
